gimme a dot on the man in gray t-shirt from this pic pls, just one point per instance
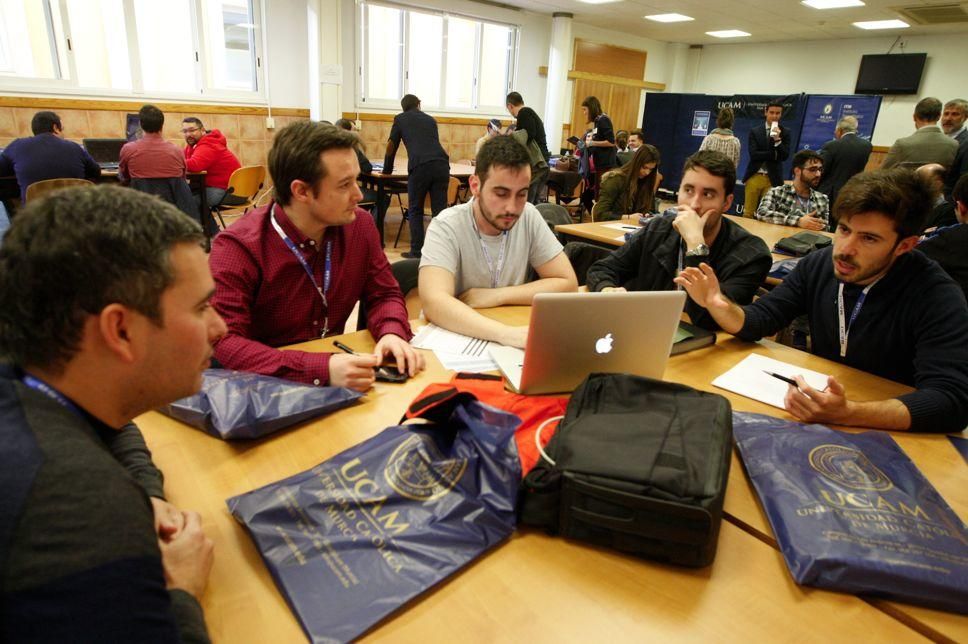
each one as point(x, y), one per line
point(477, 255)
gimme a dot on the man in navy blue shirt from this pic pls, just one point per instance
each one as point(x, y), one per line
point(428, 166)
point(46, 155)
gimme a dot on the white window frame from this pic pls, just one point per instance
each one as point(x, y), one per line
point(203, 90)
point(476, 109)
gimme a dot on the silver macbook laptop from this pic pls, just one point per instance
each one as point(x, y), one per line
point(574, 334)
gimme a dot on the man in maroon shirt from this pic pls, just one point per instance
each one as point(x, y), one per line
point(151, 157)
point(292, 271)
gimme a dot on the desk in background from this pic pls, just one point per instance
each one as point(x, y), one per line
point(536, 587)
point(386, 184)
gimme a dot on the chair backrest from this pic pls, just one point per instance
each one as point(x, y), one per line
point(452, 187)
point(174, 190)
point(40, 188)
point(406, 272)
point(554, 214)
point(247, 181)
point(582, 256)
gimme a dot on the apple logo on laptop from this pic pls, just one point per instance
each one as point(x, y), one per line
point(604, 345)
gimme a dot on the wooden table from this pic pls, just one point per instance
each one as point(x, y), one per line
point(383, 184)
point(603, 235)
point(539, 588)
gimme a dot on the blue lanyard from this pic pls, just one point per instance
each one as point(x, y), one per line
point(327, 270)
point(494, 273)
point(845, 328)
point(41, 386)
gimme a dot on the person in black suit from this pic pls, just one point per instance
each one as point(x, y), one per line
point(843, 157)
point(769, 147)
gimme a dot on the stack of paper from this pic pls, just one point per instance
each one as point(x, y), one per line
point(455, 351)
point(751, 378)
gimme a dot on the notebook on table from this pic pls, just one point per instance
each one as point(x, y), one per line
point(574, 334)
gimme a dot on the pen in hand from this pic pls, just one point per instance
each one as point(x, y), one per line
point(789, 381)
point(342, 347)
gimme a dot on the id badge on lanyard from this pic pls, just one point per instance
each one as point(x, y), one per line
point(844, 323)
point(327, 271)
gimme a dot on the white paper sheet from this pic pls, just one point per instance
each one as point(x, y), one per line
point(749, 378)
point(455, 351)
point(619, 226)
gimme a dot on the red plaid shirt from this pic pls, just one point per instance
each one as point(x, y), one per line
point(267, 299)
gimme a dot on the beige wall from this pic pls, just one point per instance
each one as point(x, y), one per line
point(246, 133)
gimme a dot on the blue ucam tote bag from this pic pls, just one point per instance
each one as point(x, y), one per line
point(238, 404)
point(852, 513)
point(357, 536)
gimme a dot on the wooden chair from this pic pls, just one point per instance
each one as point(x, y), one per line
point(244, 184)
point(40, 188)
point(452, 187)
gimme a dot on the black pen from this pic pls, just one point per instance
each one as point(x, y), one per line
point(343, 347)
point(789, 381)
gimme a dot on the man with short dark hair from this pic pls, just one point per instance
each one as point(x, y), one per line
point(871, 304)
point(798, 203)
point(693, 232)
point(104, 315)
point(948, 245)
point(528, 120)
point(769, 147)
point(953, 119)
point(46, 155)
point(927, 145)
point(207, 152)
point(428, 166)
point(843, 157)
point(478, 254)
point(293, 270)
point(635, 139)
point(151, 156)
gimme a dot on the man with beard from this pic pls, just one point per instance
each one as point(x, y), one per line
point(953, 119)
point(799, 203)
point(872, 304)
point(478, 254)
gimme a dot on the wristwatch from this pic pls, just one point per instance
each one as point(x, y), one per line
point(702, 250)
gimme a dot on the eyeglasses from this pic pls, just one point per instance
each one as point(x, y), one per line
point(189, 130)
point(813, 168)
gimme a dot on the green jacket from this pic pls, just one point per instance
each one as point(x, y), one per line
point(613, 201)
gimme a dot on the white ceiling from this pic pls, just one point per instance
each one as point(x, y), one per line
point(765, 20)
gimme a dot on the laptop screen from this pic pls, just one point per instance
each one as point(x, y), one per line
point(104, 150)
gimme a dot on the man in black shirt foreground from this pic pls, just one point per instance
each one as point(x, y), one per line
point(104, 315)
point(873, 303)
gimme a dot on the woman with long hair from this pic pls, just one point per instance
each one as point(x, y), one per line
point(599, 143)
point(722, 138)
point(631, 188)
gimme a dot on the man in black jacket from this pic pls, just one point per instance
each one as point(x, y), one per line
point(872, 304)
point(769, 147)
point(949, 245)
point(528, 120)
point(843, 157)
point(692, 233)
point(104, 315)
point(428, 166)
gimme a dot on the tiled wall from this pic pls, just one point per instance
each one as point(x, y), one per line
point(246, 134)
point(458, 140)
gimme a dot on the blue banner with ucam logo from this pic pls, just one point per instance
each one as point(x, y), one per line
point(822, 113)
point(852, 513)
point(357, 536)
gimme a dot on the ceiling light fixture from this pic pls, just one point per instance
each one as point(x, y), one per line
point(832, 4)
point(669, 17)
point(727, 33)
point(882, 24)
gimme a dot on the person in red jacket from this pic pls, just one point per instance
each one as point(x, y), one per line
point(206, 152)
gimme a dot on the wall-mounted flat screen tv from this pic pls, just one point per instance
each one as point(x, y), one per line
point(890, 73)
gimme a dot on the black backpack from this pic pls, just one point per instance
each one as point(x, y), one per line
point(640, 465)
point(802, 243)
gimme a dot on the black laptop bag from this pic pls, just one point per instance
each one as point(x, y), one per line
point(640, 465)
point(803, 243)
